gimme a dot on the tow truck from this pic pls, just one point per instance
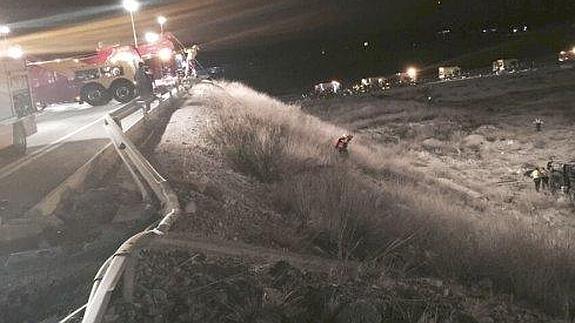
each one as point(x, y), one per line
point(99, 77)
point(17, 111)
point(105, 75)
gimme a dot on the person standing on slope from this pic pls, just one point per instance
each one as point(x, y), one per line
point(537, 177)
point(342, 144)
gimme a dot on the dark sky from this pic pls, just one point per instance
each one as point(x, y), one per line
point(294, 31)
point(232, 23)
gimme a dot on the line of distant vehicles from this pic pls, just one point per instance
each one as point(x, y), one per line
point(412, 76)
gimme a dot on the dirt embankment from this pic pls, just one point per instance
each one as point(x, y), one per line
point(263, 173)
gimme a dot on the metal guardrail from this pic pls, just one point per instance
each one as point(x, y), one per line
point(120, 264)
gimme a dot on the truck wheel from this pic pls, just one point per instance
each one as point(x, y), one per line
point(95, 94)
point(123, 91)
point(19, 141)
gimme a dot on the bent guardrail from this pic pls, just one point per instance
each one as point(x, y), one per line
point(119, 264)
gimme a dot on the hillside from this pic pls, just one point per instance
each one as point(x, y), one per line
point(413, 226)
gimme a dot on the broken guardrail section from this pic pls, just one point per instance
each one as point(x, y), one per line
point(121, 264)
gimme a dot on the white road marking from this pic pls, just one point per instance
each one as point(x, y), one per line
point(16, 165)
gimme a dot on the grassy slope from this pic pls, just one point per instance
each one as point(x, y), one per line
point(374, 207)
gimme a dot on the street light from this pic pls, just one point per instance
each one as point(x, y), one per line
point(4, 31)
point(162, 21)
point(132, 6)
point(15, 52)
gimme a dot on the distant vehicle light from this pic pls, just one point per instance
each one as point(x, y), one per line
point(412, 73)
point(165, 54)
point(162, 20)
point(4, 30)
point(573, 50)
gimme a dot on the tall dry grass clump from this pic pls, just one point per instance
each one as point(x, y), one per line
point(372, 207)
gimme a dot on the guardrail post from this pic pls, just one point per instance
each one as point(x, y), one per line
point(139, 183)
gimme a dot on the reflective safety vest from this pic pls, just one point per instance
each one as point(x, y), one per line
point(536, 174)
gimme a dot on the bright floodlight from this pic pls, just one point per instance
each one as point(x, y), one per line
point(412, 73)
point(162, 20)
point(4, 30)
point(165, 54)
point(131, 5)
point(152, 37)
point(15, 52)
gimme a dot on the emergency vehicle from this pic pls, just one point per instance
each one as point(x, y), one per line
point(105, 75)
point(449, 72)
point(509, 65)
point(17, 111)
point(99, 77)
point(567, 56)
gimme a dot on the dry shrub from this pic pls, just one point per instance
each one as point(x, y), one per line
point(372, 207)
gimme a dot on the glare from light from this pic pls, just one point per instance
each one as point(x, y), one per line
point(412, 73)
point(165, 54)
point(162, 20)
point(15, 52)
point(131, 5)
point(152, 37)
point(573, 50)
point(4, 30)
point(336, 86)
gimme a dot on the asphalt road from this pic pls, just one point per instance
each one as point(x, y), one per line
point(68, 136)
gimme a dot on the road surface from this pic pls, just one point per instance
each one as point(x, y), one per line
point(68, 136)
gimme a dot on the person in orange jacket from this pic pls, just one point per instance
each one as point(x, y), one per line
point(342, 143)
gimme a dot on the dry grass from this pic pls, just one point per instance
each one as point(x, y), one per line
point(373, 207)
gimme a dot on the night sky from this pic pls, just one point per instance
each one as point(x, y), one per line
point(298, 41)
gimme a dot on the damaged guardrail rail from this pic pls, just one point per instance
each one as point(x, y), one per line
point(121, 264)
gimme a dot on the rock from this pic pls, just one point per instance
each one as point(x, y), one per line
point(473, 141)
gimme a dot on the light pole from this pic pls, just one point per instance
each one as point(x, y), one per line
point(132, 6)
point(162, 21)
point(4, 31)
